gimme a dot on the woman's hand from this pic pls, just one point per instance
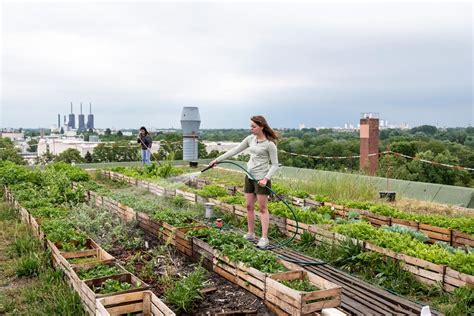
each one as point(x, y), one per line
point(263, 182)
point(213, 163)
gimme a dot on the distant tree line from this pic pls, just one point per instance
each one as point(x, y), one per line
point(454, 146)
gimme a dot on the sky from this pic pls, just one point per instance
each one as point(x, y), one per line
point(318, 64)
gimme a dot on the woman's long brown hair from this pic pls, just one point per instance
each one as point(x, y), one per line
point(267, 130)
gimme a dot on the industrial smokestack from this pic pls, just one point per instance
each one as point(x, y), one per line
point(90, 118)
point(82, 125)
point(72, 119)
point(59, 121)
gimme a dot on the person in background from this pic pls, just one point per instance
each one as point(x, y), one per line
point(144, 139)
point(262, 165)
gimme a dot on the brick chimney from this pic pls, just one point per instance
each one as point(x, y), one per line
point(369, 143)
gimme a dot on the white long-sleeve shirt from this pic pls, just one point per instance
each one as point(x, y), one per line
point(261, 154)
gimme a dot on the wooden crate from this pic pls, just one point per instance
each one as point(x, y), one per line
point(156, 189)
point(170, 192)
point(227, 208)
point(225, 268)
point(143, 302)
point(88, 296)
point(297, 201)
point(280, 222)
point(251, 279)
point(166, 233)
point(59, 262)
point(462, 239)
point(216, 202)
point(35, 227)
point(203, 251)
point(241, 211)
point(94, 252)
point(86, 266)
point(311, 203)
point(24, 215)
point(183, 242)
point(149, 225)
point(297, 302)
point(201, 199)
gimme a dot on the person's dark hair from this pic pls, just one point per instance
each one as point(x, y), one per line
point(144, 128)
point(267, 130)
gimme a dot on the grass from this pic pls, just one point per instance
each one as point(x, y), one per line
point(318, 184)
point(29, 284)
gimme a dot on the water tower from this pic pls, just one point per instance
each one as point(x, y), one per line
point(190, 122)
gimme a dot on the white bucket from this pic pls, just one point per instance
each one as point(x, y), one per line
point(209, 210)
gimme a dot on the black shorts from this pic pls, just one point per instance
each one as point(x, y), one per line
point(253, 187)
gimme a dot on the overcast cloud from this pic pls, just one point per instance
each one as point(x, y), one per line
point(317, 64)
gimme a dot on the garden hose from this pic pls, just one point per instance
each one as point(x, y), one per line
point(280, 244)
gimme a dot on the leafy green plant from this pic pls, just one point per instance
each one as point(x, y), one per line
point(406, 230)
point(237, 249)
point(212, 191)
point(280, 189)
point(408, 245)
point(63, 233)
point(183, 293)
point(176, 218)
point(179, 201)
point(82, 260)
point(299, 194)
point(303, 215)
point(300, 285)
point(112, 286)
point(73, 173)
point(49, 212)
point(238, 199)
point(98, 271)
point(465, 224)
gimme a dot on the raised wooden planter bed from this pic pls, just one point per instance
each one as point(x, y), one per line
point(183, 242)
point(87, 266)
point(203, 251)
point(89, 296)
point(297, 302)
point(142, 303)
point(94, 253)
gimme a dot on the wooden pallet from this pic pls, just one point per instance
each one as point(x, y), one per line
point(189, 196)
point(297, 302)
point(143, 302)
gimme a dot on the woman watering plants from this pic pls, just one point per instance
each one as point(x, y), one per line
point(144, 139)
point(263, 151)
